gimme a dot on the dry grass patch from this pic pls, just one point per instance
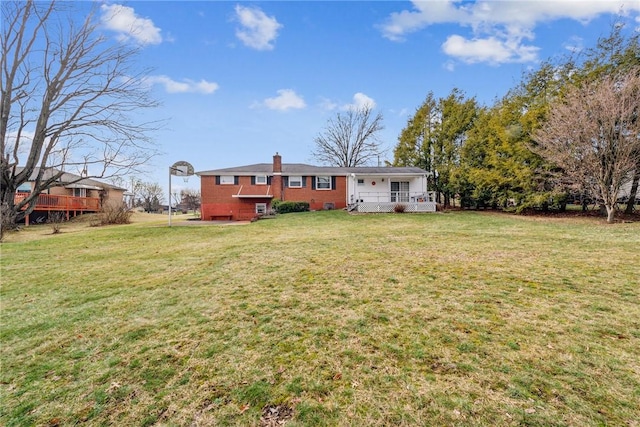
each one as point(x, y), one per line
point(325, 319)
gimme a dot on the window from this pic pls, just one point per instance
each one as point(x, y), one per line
point(25, 187)
point(80, 192)
point(399, 191)
point(261, 208)
point(295, 181)
point(360, 181)
point(323, 182)
point(227, 180)
point(261, 179)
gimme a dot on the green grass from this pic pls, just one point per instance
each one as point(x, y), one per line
point(330, 319)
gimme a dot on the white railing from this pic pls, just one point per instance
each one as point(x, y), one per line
point(393, 197)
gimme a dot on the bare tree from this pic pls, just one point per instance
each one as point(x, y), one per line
point(190, 198)
point(69, 97)
point(151, 195)
point(593, 135)
point(350, 139)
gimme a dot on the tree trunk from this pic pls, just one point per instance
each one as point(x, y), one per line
point(8, 214)
point(632, 194)
point(611, 211)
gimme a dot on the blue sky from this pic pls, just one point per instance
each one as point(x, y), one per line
point(239, 81)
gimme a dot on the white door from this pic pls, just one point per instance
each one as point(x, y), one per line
point(400, 191)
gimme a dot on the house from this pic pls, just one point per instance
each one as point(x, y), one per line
point(70, 194)
point(244, 192)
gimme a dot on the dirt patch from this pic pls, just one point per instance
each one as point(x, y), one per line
point(275, 415)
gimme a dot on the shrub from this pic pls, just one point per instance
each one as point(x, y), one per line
point(114, 213)
point(288, 207)
point(55, 220)
point(399, 208)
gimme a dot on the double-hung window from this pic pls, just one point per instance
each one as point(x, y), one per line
point(295, 181)
point(261, 179)
point(323, 182)
point(227, 180)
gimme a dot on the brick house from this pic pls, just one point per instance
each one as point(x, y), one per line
point(244, 192)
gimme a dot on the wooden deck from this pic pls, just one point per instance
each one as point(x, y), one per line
point(59, 203)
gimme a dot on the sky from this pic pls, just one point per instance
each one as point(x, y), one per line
point(239, 81)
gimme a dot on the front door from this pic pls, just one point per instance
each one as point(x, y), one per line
point(400, 191)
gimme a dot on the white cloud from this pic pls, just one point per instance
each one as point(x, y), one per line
point(328, 105)
point(258, 30)
point(287, 99)
point(449, 66)
point(124, 21)
point(360, 100)
point(574, 44)
point(500, 28)
point(184, 86)
point(491, 49)
point(24, 143)
point(424, 14)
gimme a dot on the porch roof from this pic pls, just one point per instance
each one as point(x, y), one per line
point(85, 186)
point(253, 196)
point(265, 195)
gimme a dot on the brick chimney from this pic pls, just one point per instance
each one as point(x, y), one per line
point(276, 180)
point(277, 163)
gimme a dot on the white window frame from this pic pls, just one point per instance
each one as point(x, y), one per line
point(401, 194)
point(227, 180)
point(261, 208)
point(295, 179)
point(79, 192)
point(326, 184)
point(361, 181)
point(261, 179)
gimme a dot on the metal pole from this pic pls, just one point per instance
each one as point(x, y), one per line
point(169, 196)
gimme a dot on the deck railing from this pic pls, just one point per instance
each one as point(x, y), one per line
point(51, 202)
point(393, 197)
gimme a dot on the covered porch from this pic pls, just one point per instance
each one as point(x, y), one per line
point(380, 202)
point(384, 193)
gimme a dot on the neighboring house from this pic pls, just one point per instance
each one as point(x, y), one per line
point(625, 192)
point(244, 192)
point(71, 194)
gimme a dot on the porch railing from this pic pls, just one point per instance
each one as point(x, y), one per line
point(50, 202)
point(393, 197)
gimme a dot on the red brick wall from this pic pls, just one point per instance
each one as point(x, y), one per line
point(317, 198)
point(218, 200)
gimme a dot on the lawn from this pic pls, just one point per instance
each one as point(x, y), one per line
point(324, 318)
